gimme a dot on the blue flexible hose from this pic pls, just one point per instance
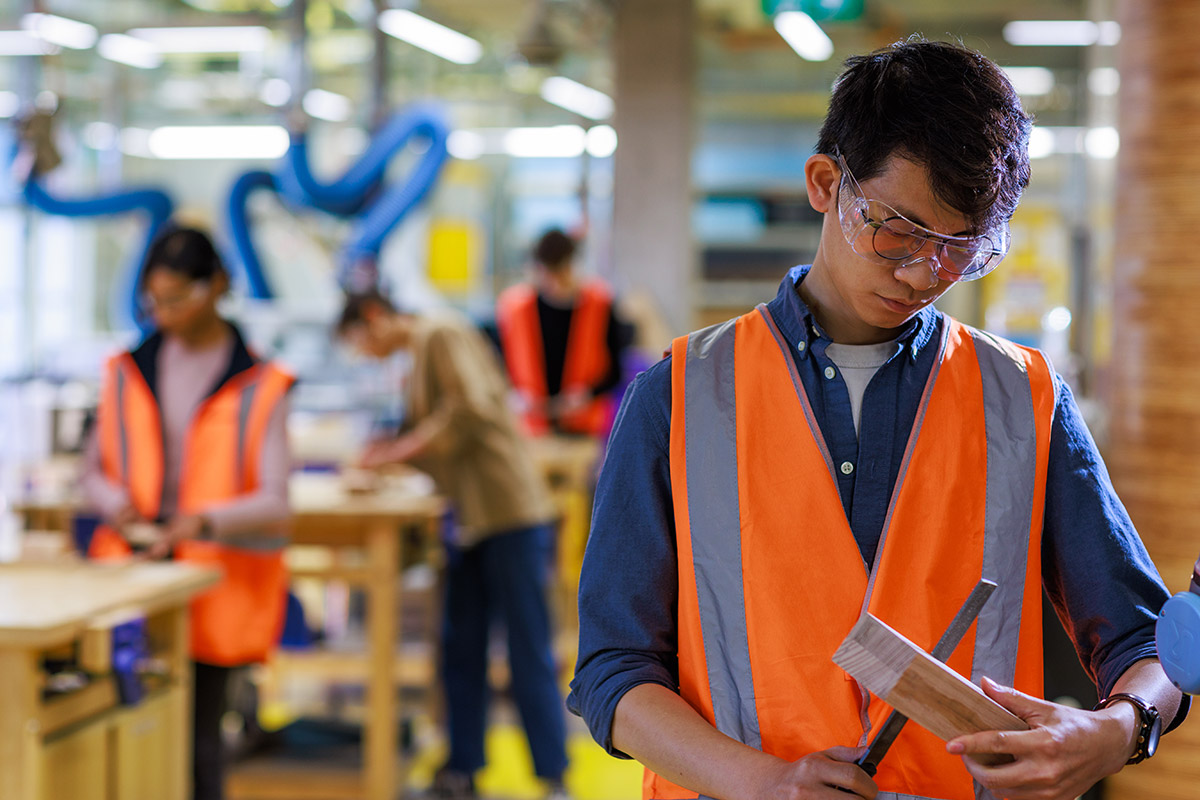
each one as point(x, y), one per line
point(155, 202)
point(358, 193)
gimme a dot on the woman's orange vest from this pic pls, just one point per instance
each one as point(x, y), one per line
point(771, 579)
point(586, 364)
point(239, 620)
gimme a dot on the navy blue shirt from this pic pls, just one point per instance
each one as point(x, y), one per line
point(1095, 568)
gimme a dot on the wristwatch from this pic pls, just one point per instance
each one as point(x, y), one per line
point(1151, 724)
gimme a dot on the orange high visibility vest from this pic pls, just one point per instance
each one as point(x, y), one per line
point(587, 360)
point(771, 579)
point(240, 619)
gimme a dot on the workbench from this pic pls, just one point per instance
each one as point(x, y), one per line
point(83, 744)
point(398, 524)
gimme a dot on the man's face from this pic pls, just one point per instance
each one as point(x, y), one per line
point(365, 340)
point(869, 297)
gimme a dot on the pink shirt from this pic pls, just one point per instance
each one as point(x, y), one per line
point(185, 378)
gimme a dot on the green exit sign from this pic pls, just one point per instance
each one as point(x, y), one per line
point(819, 10)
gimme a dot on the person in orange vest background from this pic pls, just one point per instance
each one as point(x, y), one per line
point(562, 343)
point(848, 448)
point(189, 459)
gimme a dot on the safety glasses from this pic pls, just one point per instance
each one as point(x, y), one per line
point(873, 228)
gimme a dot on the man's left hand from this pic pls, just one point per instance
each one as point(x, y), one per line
point(1065, 752)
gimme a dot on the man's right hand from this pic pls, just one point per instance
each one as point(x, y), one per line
point(126, 516)
point(821, 775)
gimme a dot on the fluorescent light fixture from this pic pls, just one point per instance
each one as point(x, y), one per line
point(10, 104)
point(559, 141)
point(1104, 81)
point(466, 145)
point(100, 135)
point(129, 50)
point(60, 30)
point(601, 141)
point(135, 142)
point(218, 141)
point(1061, 32)
point(429, 35)
point(275, 92)
point(804, 35)
point(1041, 142)
point(1102, 142)
point(1030, 81)
point(1058, 319)
point(23, 43)
point(229, 39)
point(574, 96)
point(327, 105)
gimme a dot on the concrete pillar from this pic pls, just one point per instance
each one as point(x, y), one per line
point(652, 236)
point(1154, 395)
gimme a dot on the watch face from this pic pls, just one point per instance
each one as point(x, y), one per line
point(1152, 735)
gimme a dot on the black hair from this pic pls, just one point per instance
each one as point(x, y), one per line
point(354, 312)
point(554, 250)
point(942, 106)
point(186, 251)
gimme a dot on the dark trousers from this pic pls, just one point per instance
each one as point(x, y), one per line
point(502, 580)
point(208, 757)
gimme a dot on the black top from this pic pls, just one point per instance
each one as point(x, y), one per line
point(555, 322)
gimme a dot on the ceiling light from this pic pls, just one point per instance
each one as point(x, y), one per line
point(230, 39)
point(601, 141)
point(1041, 142)
point(1030, 81)
point(327, 105)
point(22, 43)
point(1061, 32)
point(429, 35)
point(60, 30)
point(574, 96)
point(218, 141)
point(1102, 142)
point(466, 145)
point(803, 35)
point(559, 141)
point(10, 104)
point(1104, 81)
point(129, 50)
point(275, 92)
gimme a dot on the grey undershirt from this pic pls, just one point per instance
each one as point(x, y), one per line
point(858, 363)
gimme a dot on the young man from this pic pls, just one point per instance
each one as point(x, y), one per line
point(848, 448)
point(460, 430)
point(562, 343)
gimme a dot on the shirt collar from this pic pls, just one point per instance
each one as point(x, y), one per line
point(797, 323)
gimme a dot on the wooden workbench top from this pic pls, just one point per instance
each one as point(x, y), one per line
point(43, 605)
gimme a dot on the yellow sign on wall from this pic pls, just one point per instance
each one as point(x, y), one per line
point(454, 255)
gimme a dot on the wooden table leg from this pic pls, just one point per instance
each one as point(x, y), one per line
point(20, 777)
point(181, 703)
point(380, 751)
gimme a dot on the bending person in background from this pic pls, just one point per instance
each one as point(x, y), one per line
point(189, 459)
point(562, 343)
point(461, 431)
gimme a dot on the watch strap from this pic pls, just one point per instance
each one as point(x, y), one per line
point(1147, 715)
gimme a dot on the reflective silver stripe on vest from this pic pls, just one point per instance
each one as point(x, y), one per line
point(122, 432)
point(245, 405)
point(1011, 463)
point(710, 428)
point(898, 796)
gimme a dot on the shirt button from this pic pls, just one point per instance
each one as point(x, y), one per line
point(847, 468)
point(800, 345)
point(830, 372)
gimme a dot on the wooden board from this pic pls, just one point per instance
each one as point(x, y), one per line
point(42, 605)
point(919, 686)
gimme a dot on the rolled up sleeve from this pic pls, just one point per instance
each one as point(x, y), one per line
point(628, 587)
